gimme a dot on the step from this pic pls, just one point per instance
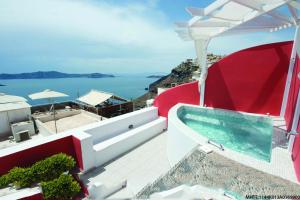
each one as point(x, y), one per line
point(112, 148)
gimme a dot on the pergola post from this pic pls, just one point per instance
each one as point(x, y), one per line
point(290, 72)
point(296, 115)
point(293, 131)
point(201, 53)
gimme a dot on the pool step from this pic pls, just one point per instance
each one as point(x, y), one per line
point(205, 149)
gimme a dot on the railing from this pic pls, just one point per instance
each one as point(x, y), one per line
point(220, 146)
point(107, 111)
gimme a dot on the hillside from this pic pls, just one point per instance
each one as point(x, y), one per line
point(52, 74)
point(181, 74)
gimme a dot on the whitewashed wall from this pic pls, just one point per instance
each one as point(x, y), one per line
point(117, 125)
point(180, 138)
point(12, 116)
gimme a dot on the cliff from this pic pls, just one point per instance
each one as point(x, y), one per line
point(180, 74)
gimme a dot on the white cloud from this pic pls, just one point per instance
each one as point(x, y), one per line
point(91, 27)
point(92, 21)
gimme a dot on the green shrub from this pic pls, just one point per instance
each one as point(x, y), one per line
point(4, 181)
point(52, 167)
point(44, 170)
point(21, 177)
point(64, 187)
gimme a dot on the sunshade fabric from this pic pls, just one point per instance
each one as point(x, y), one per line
point(47, 94)
point(13, 106)
point(4, 98)
point(95, 97)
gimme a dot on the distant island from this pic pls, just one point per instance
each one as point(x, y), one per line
point(155, 76)
point(52, 75)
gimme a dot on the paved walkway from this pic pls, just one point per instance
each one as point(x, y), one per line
point(139, 167)
point(217, 172)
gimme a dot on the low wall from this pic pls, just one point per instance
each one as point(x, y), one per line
point(111, 127)
point(46, 107)
point(179, 144)
point(26, 154)
point(43, 130)
point(186, 93)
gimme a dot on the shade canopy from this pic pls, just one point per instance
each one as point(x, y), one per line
point(95, 97)
point(10, 102)
point(46, 94)
point(4, 98)
point(13, 106)
point(227, 17)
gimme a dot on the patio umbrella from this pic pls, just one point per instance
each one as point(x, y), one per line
point(48, 94)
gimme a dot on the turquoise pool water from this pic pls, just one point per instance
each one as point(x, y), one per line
point(244, 133)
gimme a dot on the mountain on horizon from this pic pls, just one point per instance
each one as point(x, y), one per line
point(52, 75)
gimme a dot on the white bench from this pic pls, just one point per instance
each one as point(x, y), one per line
point(114, 147)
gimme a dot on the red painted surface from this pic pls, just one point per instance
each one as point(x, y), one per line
point(289, 114)
point(293, 94)
point(78, 152)
point(185, 93)
point(251, 80)
point(69, 145)
point(29, 156)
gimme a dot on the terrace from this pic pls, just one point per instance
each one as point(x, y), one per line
point(133, 155)
point(65, 120)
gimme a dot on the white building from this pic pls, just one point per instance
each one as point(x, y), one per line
point(12, 109)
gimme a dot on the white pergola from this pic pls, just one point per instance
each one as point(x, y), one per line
point(229, 17)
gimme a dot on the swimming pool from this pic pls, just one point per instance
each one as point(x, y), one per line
point(245, 133)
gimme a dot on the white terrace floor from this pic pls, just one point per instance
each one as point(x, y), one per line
point(71, 122)
point(139, 167)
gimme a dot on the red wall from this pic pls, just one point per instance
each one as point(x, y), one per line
point(293, 94)
point(289, 114)
point(185, 93)
point(78, 152)
point(29, 156)
point(251, 80)
point(69, 145)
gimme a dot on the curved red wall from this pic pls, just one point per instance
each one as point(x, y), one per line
point(289, 114)
point(185, 93)
point(251, 80)
point(293, 94)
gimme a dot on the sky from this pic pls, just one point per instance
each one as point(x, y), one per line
point(105, 36)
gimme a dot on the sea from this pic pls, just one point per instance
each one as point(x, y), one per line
point(128, 87)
